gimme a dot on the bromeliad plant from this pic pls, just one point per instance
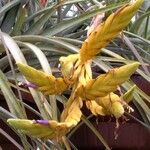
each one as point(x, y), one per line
point(98, 94)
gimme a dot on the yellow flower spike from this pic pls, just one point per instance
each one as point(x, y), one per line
point(106, 83)
point(107, 30)
point(29, 127)
point(45, 83)
point(50, 128)
point(40, 128)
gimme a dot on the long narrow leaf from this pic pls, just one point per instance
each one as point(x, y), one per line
point(136, 25)
point(56, 42)
point(11, 139)
point(18, 56)
point(68, 23)
point(46, 67)
point(97, 133)
point(45, 10)
point(11, 99)
point(8, 6)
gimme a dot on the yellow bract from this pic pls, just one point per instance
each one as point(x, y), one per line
point(68, 65)
point(106, 83)
point(107, 30)
point(95, 108)
point(45, 83)
point(72, 114)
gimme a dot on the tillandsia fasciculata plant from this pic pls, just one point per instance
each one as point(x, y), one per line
point(98, 94)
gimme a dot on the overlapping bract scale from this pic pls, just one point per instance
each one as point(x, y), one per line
point(107, 30)
point(45, 83)
point(106, 83)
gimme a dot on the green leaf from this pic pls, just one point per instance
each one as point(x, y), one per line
point(8, 6)
point(53, 41)
point(137, 36)
point(11, 99)
point(22, 13)
point(9, 19)
point(36, 27)
point(45, 10)
point(71, 22)
point(128, 96)
point(97, 133)
point(138, 23)
point(111, 53)
point(19, 57)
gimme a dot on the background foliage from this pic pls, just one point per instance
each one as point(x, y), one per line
point(45, 30)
